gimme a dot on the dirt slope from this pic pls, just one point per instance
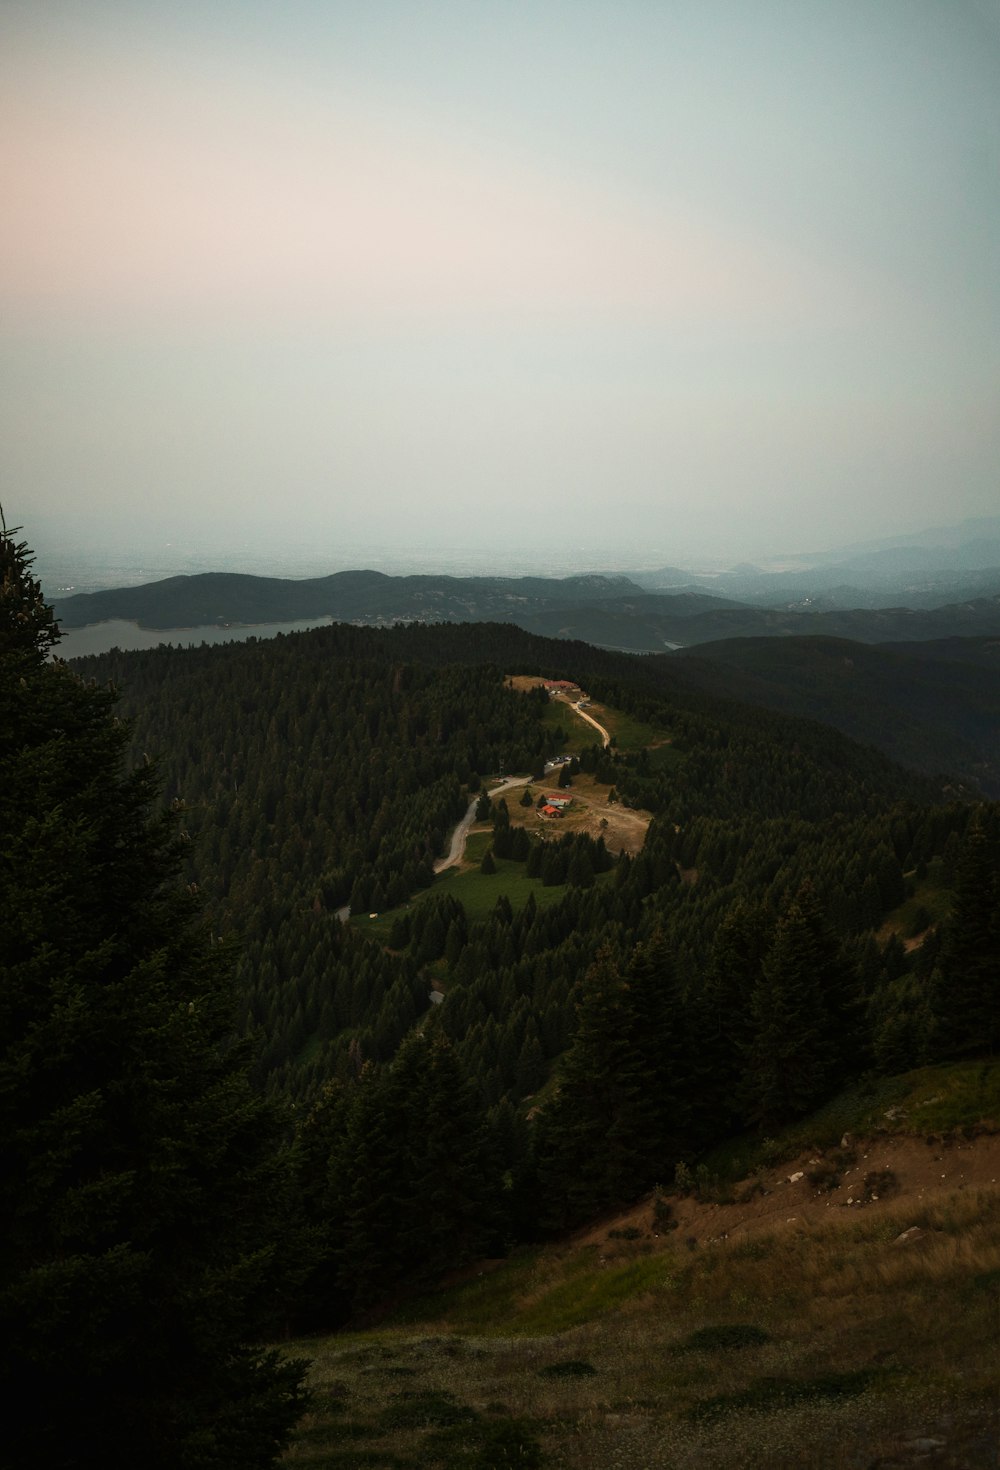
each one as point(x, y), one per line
point(798, 1194)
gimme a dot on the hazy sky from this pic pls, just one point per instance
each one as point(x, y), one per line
point(643, 277)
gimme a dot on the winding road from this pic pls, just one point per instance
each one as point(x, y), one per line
point(461, 832)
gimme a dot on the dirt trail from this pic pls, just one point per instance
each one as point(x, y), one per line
point(582, 714)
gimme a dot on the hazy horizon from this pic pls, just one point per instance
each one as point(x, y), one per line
point(67, 565)
point(574, 287)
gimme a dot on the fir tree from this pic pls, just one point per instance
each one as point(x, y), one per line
point(789, 1056)
point(143, 1192)
point(967, 990)
point(593, 1142)
point(721, 1014)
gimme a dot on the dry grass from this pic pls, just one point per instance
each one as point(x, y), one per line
point(843, 1344)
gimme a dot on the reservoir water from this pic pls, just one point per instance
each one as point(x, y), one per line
point(116, 633)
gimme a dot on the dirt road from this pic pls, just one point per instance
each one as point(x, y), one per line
point(461, 832)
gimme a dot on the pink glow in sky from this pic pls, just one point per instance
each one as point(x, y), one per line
point(185, 194)
point(731, 269)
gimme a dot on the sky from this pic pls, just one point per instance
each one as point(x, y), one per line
point(601, 283)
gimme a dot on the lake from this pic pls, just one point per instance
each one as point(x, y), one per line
point(117, 633)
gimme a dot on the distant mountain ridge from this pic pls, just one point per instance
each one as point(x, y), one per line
point(612, 612)
point(363, 596)
point(928, 569)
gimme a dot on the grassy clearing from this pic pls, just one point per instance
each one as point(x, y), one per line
point(577, 735)
point(477, 892)
point(664, 757)
point(628, 733)
point(828, 1346)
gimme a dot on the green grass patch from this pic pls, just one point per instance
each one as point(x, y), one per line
point(665, 758)
point(420, 1409)
point(484, 1445)
point(483, 1304)
point(576, 735)
point(477, 892)
point(589, 1295)
point(629, 733)
point(478, 844)
point(952, 1095)
point(535, 1295)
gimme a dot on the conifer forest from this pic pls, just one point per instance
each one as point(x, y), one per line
point(234, 1110)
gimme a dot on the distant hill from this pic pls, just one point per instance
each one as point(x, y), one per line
point(933, 707)
point(612, 612)
point(536, 603)
point(946, 564)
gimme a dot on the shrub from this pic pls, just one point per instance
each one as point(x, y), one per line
point(568, 1368)
point(725, 1337)
point(824, 1174)
point(880, 1184)
point(683, 1178)
point(663, 1212)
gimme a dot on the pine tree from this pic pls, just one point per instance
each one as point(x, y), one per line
point(414, 1196)
point(143, 1194)
point(789, 1058)
point(967, 992)
point(721, 1015)
point(593, 1143)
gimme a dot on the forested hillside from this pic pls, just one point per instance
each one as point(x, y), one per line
point(735, 972)
point(932, 706)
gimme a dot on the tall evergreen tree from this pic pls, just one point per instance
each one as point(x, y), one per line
point(721, 1014)
point(967, 984)
point(143, 1194)
point(789, 1057)
point(597, 1139)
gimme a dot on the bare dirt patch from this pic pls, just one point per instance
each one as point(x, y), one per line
point(623, 828)
point(775, 1200)
point(524, 682)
